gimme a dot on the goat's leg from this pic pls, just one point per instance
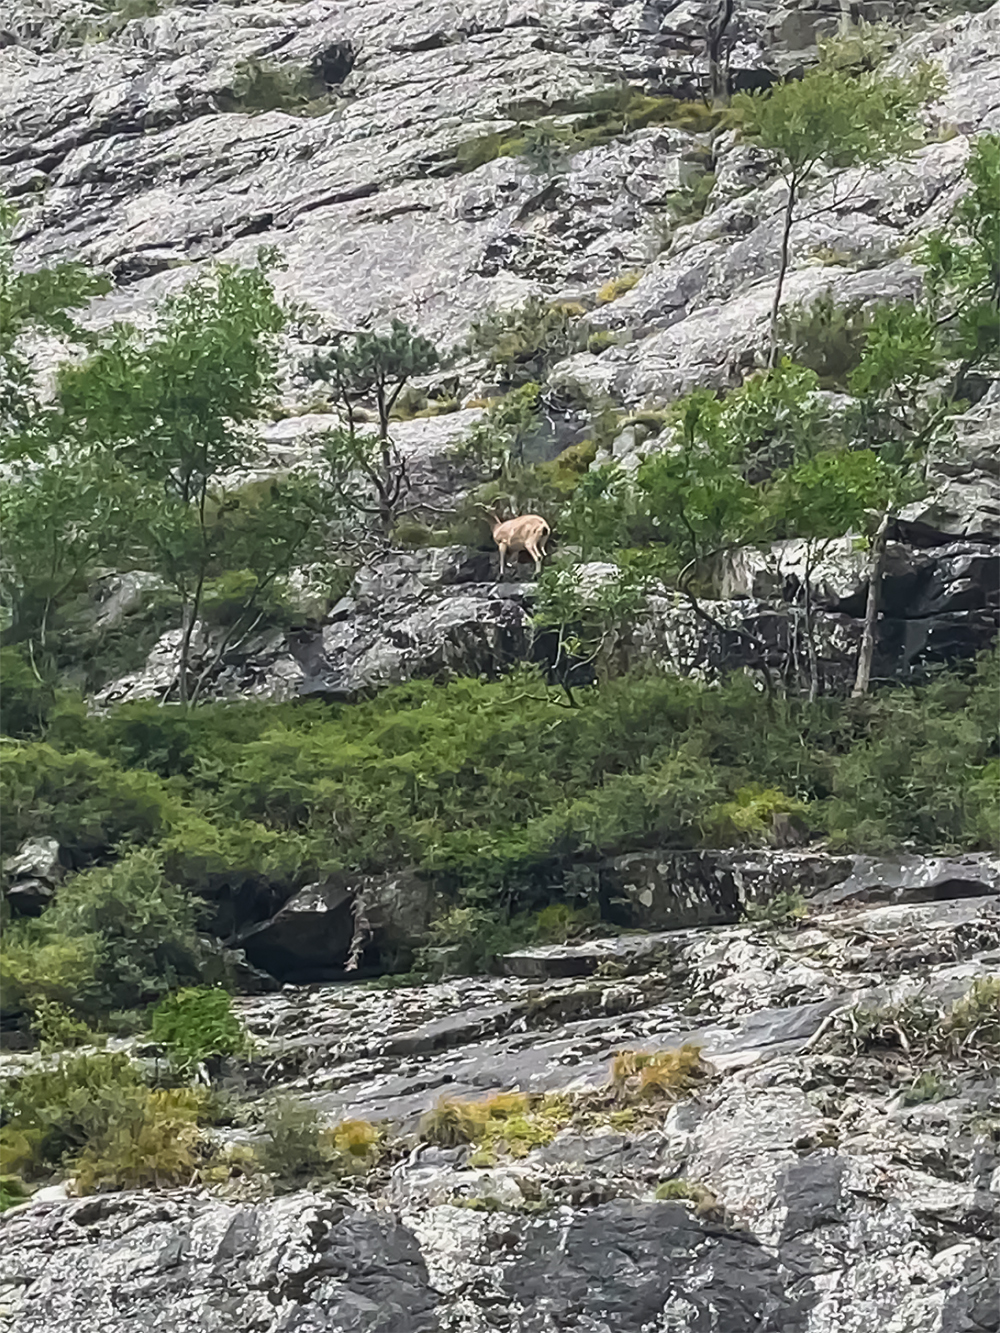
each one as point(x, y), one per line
point(503, 557)
point(534, 553)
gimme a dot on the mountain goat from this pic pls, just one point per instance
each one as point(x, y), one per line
point(526, 533)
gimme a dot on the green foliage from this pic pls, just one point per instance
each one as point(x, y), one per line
point(616, 287)
point(784, 909)
point(928, 1031)
point(640, 1075)
point(13, 1191)
point(509, 1122)
point(829, 339)
point(926, 1087)
point(55, 1027)
point(26, 698)
point(749, 817)
point(521, 345)
point(836, 119)
point(141, 925)
point(688, 1190)
point(262, 85)
point(686, 206)
point(147, 433)
point(93, 1116)
point(81, 799)
point(923, 769)
point(43, 301)
point(578, 123)
point(375, 367)
point(40, 972)
point(295, 1146)
point(498, 441)
point(364, 474)
point(195, 1023)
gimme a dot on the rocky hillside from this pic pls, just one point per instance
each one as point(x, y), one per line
point(836, 1171)
point(364, 145)
point(756, 1087)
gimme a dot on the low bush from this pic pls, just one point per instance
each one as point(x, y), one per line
point(140, 926)
point(83, 800)
point(94, 1117)
point(616, 287)
point(195, 1023)
point(522, 344)
point(39, 969)
point(294, 1145)
point(657, 1074)
point(262, 85)
point(827, 337)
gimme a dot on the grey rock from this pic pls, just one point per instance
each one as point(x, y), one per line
point(32, 875)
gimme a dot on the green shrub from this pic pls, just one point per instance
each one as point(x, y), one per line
point(522, 344)
point(686, 206)
point(25, 699)
point(784, 909)
point(827, 337)
point(749, 817)
point(94, 1117)
point(600, 341)
point(586, 121)
point(55, 1027)
point(52, 1115)
point(154, 1142)
point(616, 287)
point(923, 769)
point(39, 968)
point(195, 1023)
point(12, 1192)
point(81, 799)
point(262, 85)
point(295, 1146)
point(141, 925)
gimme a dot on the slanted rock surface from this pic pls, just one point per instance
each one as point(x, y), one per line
point(815, 1193)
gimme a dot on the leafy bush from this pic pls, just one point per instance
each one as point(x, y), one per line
point(578, 123)
point(657, 1074)
point(749, 817)
point(616, 287)
point(262, 85)
point(142, 928)
point(521, 345)
point(84, 801)
point(26, 700)
point(195, 1023)
point(294, 1144)
point(55, 1027)
point(826, 337)
point(94, 1116)
point(784, 909)
point(39, 969)
point(154, 1142)
point(924, 770)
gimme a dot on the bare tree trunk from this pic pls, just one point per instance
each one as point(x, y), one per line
point(772, 354)
point(810, 631)
point(867, 650)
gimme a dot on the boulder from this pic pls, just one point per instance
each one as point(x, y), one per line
point(327, 929)
point(32, 875)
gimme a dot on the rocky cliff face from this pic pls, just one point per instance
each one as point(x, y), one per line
point(152, 151)
point(835, 1202)
point(830, 1175)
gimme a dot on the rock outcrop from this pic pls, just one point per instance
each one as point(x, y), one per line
point(815, 1187)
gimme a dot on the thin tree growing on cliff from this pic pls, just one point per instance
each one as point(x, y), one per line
point(374, 367)
point(836, 119)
